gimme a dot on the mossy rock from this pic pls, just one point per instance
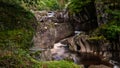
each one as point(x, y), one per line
point(17, 26)
point(16, 59)
point(59, 64)
point(110, 31)
point(96, 38)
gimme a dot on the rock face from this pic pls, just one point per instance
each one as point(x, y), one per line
point(80, 50)
point(58, 52)
point(83, 43)
point(45, 35)
point(48, 32)
point(90, 51)
point(86, 19)
point(63, 30)
point(55, 34)
point(61, 26)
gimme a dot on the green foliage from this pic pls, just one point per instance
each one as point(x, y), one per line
point(77, 5)
point(60, 64)
point(51, 5)
point(39, 4)
point(111, 28)
point(30, 4)
point(111, 32)
point(17, 26)
point(48, 5)
point(20, 38)
point(27, 4)
point(20, 58)
point(10, 1)
point(15, 15)
point(97, 38)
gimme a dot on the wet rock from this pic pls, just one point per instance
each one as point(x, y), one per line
point(84, 43)
point(48, 32)
point(58, 52)
point(63, 30)
point(88, 51)
point(45, 35)
point(62, 52)
point(40, 15)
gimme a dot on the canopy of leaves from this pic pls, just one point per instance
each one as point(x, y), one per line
point(39, 4)
point(111, 29)
point(27, 4)
point(77, 5)
point(51, 4)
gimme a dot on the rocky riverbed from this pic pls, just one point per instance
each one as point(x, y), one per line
point(60, 41)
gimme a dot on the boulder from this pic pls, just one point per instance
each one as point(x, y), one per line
point(85, 19)
point(85, 43)
point(63, 30)
point(45, 35)
point(88, 48)
point(48, 32)
point(61, 51)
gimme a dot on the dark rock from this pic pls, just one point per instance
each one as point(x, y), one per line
point(86, 19)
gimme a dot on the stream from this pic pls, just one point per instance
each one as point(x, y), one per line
point(57, 40)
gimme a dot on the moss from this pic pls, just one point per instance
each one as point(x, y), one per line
point(17, 38)
point(17, 26)
point(109, 30)
point(111, 27)
point(21, 59)
point(59, 64)
point(16, 59)
point(97, 38)
point(16, 16)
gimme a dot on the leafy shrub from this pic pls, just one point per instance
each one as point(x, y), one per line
point(111, 28)
point(77, 5)
point(17, 26)
point(111, 32)
point(18, 58)
point(21, 59)
point(27, 4)
point(51, 4)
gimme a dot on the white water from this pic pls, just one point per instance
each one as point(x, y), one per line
point(50, 14)
point(78, 32)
